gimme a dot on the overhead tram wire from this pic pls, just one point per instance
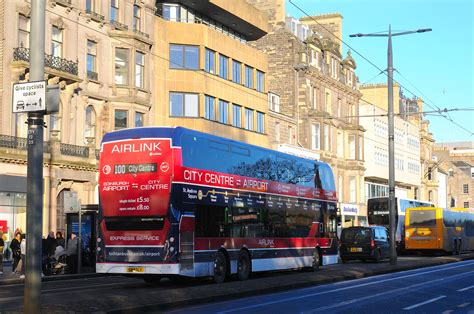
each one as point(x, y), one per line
point(366, 59)
point(202, 72)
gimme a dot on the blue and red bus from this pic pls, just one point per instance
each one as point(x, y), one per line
point(174, 201)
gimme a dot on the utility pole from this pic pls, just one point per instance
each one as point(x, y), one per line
point(34, 203)
point(391, 144)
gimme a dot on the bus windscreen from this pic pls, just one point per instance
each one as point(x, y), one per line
point(422, 218)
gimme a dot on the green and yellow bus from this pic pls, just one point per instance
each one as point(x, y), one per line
point(434, 229)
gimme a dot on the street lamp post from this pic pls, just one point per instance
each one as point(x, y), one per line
point(391, 145)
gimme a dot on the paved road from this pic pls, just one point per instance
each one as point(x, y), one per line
point(440, 289)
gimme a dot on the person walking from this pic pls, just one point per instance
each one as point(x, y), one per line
point(23, 256)
point(71, 251)
point(2, 245)
point(16, 250)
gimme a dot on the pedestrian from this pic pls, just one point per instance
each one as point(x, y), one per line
point(50, 244)
point(16, 250)
point(2, 245)
point(60, 240)
point(71, 251)
point(23, 256)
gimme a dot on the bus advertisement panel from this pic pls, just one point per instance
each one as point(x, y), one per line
point(179, 202)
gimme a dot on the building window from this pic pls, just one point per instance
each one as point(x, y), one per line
point(261, 122)
point(136, 18)
point(327, 142)
point(90, 5)
point(139, 118)
point(236, 71)
point(223, 111)
point(465, 188)
point(92, 60)
point(340, 144)
point(140, 69)
point(184, 57)
point(121, 66)
point(57, 42)
point(328, 102)
point(114, 10)
point(210, 61)
point(248, 76)
point(184, 105)
point(171, 12)
point(260, 81)
point(466, 204)
point(430, 196)
point(248, 119)
point(223, 66)
point(23, 31)
point(236, 116)
point(352, 190)
point(451, 172)
point(315, 136)
point(416, 193)
point(209, 108)
point(120, 119)
point(429, 174)
point(274, 102)
point(90, 122)
point(352, 148)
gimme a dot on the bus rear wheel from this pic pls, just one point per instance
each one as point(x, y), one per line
point(243, 266)
point(220, 268)
point(316, 260)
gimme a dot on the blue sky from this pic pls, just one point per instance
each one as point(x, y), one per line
point(436, 66)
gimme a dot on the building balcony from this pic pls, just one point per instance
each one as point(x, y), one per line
point(55, 66)
point(95, 16)
point(140, 33)
point(64, 3)
point(119, 26)
point(92, 75)
point(18, 143)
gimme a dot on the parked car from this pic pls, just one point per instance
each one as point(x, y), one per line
point(364, 243)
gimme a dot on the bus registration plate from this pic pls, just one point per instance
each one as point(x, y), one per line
point(135, 269)
point(356, 249)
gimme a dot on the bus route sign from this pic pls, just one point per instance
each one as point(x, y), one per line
point(28, 97)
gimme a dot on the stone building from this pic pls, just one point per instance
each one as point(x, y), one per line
point(415, 177)
point(457, 160)
point(99, 52)
point(318, 99)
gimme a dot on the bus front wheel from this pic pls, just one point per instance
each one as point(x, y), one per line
point(243, 266)
point(316, 260)
point(220, 268)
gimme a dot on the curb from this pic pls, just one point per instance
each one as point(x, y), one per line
point(13, 281)
point(282, 287)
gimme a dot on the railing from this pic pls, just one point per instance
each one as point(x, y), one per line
point(19, 143)
point(66, 3)
point(92, 75)
point(140, 33)
point(74, 150)
point(118, 25)
point(95, 16)
point(64, 65)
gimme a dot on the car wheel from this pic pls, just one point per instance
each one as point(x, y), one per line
point(243, 266)
point(220, 268)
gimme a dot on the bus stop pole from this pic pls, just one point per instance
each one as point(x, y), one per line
point(34, 184)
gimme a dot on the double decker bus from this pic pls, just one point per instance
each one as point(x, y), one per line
point(174, 201)
point(378, 215)
point(430, 229)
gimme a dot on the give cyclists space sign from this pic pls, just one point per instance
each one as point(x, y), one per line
point(29, 96)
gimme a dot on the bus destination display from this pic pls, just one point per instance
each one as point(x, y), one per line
point(134, 168)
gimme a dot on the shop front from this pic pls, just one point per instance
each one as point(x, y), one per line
point(351, 215)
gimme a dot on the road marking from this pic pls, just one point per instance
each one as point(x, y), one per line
point(423, 303)
point(464, 289)
point(352, 287)
point(464, 304)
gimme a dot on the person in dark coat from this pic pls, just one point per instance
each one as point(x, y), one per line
point(71, 251)
point(50, 244)
point(16, 250)
point(60, 240)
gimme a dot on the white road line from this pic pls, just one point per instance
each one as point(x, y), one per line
point(423, 303)
point(347, 288)
point(464, 289)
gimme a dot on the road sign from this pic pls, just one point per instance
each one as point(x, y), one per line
point(29, 96)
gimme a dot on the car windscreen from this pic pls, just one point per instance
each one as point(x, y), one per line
point(424, 218)
point(358, 235)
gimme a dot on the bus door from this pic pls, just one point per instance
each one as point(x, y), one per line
point(186, 243)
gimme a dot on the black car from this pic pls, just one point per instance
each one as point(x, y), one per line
point(364, 243)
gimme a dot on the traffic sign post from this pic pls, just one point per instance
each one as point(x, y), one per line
point(29, 97)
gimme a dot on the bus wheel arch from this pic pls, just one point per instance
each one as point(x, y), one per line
point(221, 266)
point(244, 265)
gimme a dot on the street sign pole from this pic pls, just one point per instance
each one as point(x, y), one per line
point(34, 204)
